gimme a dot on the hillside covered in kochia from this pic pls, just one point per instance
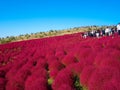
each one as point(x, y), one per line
point(50, 33)
point(67, 62)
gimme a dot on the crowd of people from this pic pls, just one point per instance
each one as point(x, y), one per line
point(102, 32)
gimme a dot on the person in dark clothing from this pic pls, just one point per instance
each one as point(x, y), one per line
point(103, 32)
point(113, 30)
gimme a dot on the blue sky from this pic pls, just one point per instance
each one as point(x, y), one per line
point(30, 16)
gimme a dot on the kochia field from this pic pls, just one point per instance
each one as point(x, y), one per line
point(67, 62)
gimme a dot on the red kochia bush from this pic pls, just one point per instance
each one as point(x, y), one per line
point(65, 87)
point(111, 62)
point(82, 52)
point(6, 68)
point(54, 68)
point(56, 65)
point(53, 73)
point(76, 68)
point(116, 82)
point(50, 59)
point(39, 73)
point(69, 59)
point(14, 85)
point(109, 57)
point(10, 74)
point(37, 81)
point(41, 63)
point(86, 75)
point(101, 76)
point(64, 77)
point(36, 84)
point(101, 56)
point(2, 73)
point(60, 55)
point(2, 83)
point(49, 53)
point(17, 71)
point(17, 82)
point(109, 86)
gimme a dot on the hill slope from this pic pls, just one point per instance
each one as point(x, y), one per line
point(67, 62)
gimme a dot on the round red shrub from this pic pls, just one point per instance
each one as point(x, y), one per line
point(69, 59)
point(53, 73)
point(64, 77)
point(86, 74)
point(65, 87)
point(56, 65)
point(36, 84)
point(2, 83)
point(100, 76)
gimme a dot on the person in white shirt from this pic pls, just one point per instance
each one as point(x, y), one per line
point(107, 31)
point(118, 28)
